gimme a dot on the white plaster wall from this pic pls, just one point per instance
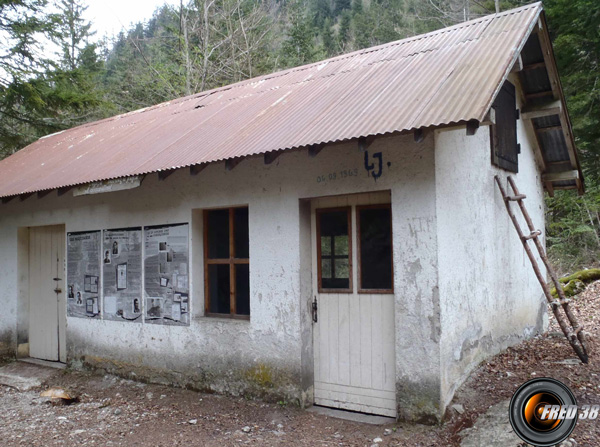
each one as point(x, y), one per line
point(222, 353)
point(489, 296)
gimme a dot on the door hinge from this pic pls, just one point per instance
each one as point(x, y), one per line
point(314, 310)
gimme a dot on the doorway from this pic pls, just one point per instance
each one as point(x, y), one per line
point(354, 332)
point(47, 306)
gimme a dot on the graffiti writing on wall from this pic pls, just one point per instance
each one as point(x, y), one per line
point(374, 166)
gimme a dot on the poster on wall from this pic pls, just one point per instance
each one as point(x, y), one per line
point(166, 281)
point(83, 274)
point(122, 279)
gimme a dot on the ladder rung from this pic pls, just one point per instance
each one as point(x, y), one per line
point(532, 235)
point(559, 302)
point(516, 198)
point(575, 332)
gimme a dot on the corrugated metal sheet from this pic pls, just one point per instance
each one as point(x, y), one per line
point(444, 77)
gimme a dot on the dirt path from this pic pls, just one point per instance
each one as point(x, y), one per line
point(117, 412)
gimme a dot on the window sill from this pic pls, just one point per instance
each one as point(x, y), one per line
point(376, 291)
point(223, 318)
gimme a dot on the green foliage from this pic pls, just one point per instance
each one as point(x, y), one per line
point(299, 48)
point(575, 27)
point(341, 6)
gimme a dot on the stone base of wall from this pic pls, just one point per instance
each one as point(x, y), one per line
point(261, 381)
point(7, 345)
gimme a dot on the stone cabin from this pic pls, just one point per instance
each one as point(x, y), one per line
point(329, 234)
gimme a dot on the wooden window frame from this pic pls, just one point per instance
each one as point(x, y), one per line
point(232, 261)
point(319, 211)
point(387, 206)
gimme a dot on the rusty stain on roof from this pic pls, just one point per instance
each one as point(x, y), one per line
point(444, 77)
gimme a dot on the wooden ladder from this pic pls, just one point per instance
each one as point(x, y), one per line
point(569, 325)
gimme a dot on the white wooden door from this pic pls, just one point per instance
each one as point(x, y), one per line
point(47, 308)
point(354, 336)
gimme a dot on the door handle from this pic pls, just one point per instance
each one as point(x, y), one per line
point(56, 279)
point(315, 310)
point(58, 290)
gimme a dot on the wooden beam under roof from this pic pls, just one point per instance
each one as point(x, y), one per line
point(314, 150)
point(419, 135)
point(196, 169)
point(44, 193)
point(162, 175)
point(541, 110)
point(560, 176)
point(365, 142)
point(62, 191)
point(231, 163)
point(270, 157)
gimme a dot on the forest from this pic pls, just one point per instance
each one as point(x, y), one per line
point(202, 44)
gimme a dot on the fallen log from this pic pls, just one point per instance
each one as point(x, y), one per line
point(575, 283)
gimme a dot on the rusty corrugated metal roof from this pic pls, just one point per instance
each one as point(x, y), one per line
point(444, 77)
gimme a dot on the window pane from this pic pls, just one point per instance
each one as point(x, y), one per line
point(218, 234)
point(375, 248)
point(242, 289)
point(335, 271)
point(341, 269)
point(325, 246)
point(218, 284)
point(341, 245)
point(240, 228)
point(325, 268)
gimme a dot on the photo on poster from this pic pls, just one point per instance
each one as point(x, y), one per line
point(107, 256)
point(90, 284)
point(154, 306)
point(79, 299)
point(122, 276)
point(94, 284)
point(71, 293)
point(91, 306)
point(136, 306)
point(122, 280)
point(162, 246)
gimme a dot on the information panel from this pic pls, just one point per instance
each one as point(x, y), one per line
point(83, 274)
point(166, 287)
point(122, 279)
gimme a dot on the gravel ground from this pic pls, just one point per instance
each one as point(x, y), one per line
point(117, 412)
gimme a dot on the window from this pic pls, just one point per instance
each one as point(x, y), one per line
point(227, 262)
point(334, 250)
point(375, 272)
point(505, 149)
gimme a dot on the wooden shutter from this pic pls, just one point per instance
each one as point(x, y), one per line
point(505, 149)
